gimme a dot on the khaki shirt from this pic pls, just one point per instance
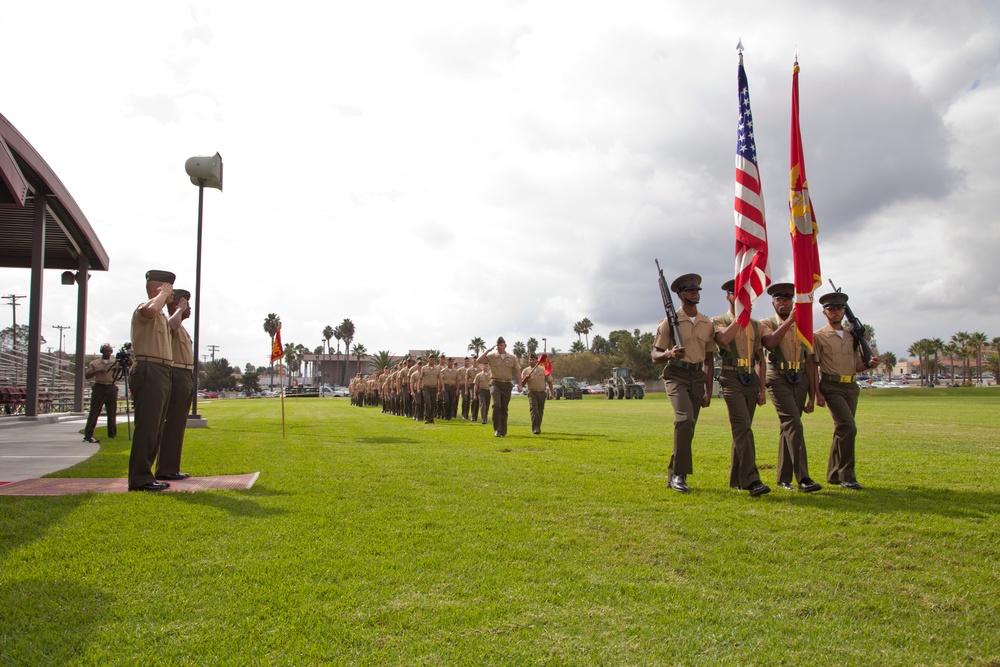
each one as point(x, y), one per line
point(503, 368)
point(534, 378)
point(415, 378)
point(786, 350)
point(105, 371)
point(737, 349)
point(183, 348)
point(835, 355)
point(449, 376)
point(429, 376)
point(482, 381)
point(151, 337)
point(699, 336)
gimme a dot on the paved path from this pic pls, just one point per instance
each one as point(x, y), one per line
point(30, 449)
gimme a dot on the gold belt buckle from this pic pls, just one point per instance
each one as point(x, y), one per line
point(742, 363)
point(792, 366)
point(844, 379)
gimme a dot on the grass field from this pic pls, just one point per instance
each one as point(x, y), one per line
point(371, 539)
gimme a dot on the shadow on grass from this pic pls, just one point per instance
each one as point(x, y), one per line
point(949, 503)
point(385, 440)
point(240, 504)
point(26, 519)
point(48, 622)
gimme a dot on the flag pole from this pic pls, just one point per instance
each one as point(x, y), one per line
point(281, 384)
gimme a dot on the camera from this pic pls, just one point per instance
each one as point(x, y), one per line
point(123, 360)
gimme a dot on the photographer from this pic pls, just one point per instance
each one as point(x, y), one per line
point(104, 393)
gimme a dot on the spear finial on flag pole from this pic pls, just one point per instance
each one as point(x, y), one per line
point(739, 49)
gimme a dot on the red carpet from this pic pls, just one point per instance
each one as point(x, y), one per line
point(73, 485)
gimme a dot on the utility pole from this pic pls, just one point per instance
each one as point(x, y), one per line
point(13, 338)
point(212, 349)
point(61, 329)
point(13, 308)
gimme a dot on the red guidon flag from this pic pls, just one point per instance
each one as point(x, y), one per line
point(753, 269)
point(804, 230)
point(544, 362)
point(277, 352)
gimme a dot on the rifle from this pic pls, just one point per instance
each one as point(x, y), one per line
point(668, 306)
point(857, 331)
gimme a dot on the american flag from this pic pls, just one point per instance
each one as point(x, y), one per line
point(753, 268)
point(804, 229)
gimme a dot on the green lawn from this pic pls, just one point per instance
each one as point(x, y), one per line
point(372, 539)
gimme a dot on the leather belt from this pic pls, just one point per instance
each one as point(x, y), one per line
point(106, 384)
point(187, 367)
point(786, 366)
point(842, 379)
point(686, 365)
point(154, 360)
point(728, 363)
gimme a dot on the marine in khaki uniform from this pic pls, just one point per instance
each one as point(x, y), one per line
point(104, 393)
point(430, 384)
point(837, 362)
point(790, 385)
point(503, 368)
point(467, 375)
point(150, 379)
point(535, 378)
point(168, 463)
point(742, 380)
point(416, 390)
point(481, 393)
point(687, 375)
point(449, 382)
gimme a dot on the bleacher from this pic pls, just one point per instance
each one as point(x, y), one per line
point(55, 383)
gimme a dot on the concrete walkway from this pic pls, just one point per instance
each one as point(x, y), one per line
point(30, 448)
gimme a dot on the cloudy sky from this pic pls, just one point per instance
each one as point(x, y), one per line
point(442, 170)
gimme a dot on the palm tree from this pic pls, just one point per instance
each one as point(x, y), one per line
point(347, 333)
point(327, 334)
point(578, 329)
point(577, 347)
point(888, 363)
point(381, 360)
point(339, 335)
point(271, 325)
point(919, 350)
point(434, 353)
point(961, 341)
point(936, 346)
point(951, 351)
point(359, 351)
point(532, 345)
point(977, 340)
point(585, 326)
point(518, 349)
point(476, 346)
point(290, 362)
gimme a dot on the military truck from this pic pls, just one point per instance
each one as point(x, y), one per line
point(569, 389)
point(621, 385)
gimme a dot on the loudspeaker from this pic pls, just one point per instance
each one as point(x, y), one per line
point(205, 170)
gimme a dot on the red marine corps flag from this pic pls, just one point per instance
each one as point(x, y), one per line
point(753, 269)
point(277, 352)
point(805, 252)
